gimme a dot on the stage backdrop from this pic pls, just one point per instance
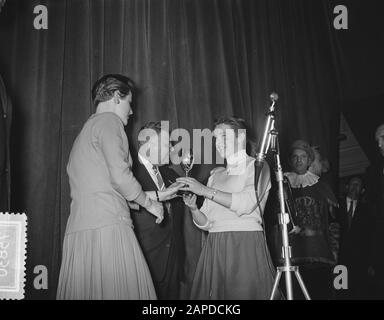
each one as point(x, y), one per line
point(192, 60)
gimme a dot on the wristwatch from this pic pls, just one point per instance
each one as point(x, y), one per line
point(213, 194)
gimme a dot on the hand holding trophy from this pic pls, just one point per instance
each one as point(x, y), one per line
point(186, 164)
point(191, 185)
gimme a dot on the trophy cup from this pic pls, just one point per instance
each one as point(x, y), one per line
point(186, 164)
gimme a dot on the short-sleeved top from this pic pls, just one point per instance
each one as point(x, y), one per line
point(238, 179)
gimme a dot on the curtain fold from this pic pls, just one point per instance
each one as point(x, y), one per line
point(192, 60)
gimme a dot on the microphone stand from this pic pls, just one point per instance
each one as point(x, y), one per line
point(270, 140)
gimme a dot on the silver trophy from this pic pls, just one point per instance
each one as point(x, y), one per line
point(186, 164)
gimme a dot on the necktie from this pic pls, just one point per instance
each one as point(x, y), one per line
point(350, 213)
point(161, 184)
point(160, 181)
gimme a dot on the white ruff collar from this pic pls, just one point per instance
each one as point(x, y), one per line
point(302, 180)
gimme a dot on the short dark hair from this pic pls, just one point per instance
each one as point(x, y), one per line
point(154, 125)
point(234, 122)
point(107, 85)
point(356, 178)
point(238, 124)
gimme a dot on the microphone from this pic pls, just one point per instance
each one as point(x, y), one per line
point(260, 158)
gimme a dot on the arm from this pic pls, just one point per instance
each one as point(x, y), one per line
point(243, 202)
point(117, 158)
point(192, 185)
point(170, 192)
point(165, 195)
point(199, 218)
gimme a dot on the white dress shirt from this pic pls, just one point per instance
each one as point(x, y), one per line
point(149, 167)
point(349, 203)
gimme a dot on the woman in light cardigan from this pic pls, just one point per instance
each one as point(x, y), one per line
point(234, 263)
point(102, 258)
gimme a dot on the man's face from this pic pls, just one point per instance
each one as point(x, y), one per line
point(156, 150)
point(300, 161)
point(354, 189)
point(380, 138)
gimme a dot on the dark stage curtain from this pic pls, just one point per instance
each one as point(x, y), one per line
point(5, 129)
point(193, 60)
point(360, 53)
point(364, 116)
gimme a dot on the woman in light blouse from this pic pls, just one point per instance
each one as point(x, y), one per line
point(234, 263)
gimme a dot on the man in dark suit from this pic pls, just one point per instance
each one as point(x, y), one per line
point(356, 225)
point(162, 244)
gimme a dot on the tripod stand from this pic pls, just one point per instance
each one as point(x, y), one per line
point(270, 139)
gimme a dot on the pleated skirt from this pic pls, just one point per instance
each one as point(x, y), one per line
point(234, 266)
point(105, 263)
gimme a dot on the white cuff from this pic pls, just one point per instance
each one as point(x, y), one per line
point(205, 227)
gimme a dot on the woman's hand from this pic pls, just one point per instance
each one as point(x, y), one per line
point(192, 185)
point(155, 208)
point(190, 201)
point(170, 192)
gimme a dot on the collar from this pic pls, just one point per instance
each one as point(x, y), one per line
point(237, 158)
point(145, 162)
point(236, 163)
point(307, 179)
point(350, 199)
